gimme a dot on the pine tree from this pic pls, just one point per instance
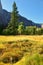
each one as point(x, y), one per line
point(13, 24)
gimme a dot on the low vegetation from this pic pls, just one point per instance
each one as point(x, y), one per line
point(21, 50)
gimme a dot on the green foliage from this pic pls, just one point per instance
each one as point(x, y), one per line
point(13, 25)
point(6, 32)
point(1, 29)
point(38, 31)
point(21, 28)
point(42, 31)
point(30, 30)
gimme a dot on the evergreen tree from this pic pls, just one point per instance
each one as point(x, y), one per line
point(13, 24)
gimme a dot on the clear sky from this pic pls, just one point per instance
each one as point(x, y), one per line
point(31, 9)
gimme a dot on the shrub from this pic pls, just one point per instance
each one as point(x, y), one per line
point(30, 30)
point(21, 28)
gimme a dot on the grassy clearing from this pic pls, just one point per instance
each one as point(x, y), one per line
point(24, 50)
point(23, 37)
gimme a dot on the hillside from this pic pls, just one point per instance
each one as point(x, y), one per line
point(5, 18)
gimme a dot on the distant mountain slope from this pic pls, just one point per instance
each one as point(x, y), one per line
point(5, 18)
point(28, 22)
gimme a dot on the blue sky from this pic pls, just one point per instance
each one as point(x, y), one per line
point(31, 9)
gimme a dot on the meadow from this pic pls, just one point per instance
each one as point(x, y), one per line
point(21, 50)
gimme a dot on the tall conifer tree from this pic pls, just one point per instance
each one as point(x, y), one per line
point(13, 24)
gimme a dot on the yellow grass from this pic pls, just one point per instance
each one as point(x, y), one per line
point(38, 39)
point(23, 37)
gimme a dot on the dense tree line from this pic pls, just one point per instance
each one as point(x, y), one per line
point(16, 28)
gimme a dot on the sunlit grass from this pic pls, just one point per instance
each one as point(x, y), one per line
point(22, 46)
point(23, 37)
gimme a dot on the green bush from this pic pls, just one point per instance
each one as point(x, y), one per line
point(21, 28)
point(38, 31)
point(30, 30)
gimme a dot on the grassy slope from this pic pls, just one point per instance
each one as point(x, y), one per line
point(28, 59)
